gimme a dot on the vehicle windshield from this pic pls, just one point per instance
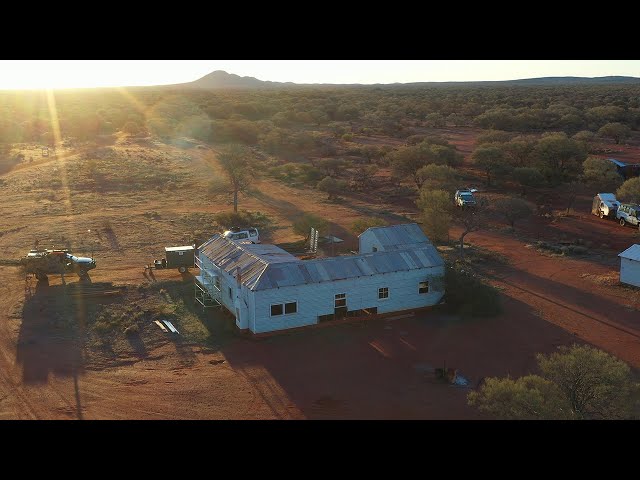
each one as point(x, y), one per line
point(466, 196)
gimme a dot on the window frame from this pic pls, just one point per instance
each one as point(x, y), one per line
point(420, 287)
point(290, 303)
point(281, 305)
point(339, 297)
point(381, 291)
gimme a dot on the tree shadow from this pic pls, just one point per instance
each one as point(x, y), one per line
point(49, 340)
point(137, 344)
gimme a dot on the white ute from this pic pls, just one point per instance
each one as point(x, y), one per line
point(248, 234)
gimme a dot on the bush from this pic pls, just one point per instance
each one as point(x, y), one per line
point(466, 294)
point(362, 224)
point(259, 220)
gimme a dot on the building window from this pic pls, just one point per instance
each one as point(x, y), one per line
point(383, 292)
point(374, 249)
point(291, 307)
point(230, 294)
point(424, 287)
point(284, 308)
point(341, 300)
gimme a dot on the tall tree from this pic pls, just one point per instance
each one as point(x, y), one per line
point(513, 209)
point(559, 157)
point(237, 165)
point(578, 382)
point(616, 131)
point(596, 384)
point(471, 220)
point(601, 173)
point(490, 158)
point(437, 212)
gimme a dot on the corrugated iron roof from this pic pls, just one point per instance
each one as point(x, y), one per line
point(632, 253)
point(252, 259)
point(329, 269)
point(398, 237)
point(264, 266)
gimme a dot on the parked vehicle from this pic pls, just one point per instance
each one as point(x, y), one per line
point(465, 198)
point(628, 213)
point(182, 258)
point(605, 205)
point(251, 234)
point(56, 261)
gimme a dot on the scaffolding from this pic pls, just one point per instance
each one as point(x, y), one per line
point(207, 288)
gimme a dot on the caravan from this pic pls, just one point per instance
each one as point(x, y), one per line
point(605, 205)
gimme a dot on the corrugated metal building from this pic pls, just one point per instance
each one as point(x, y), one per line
point(268, 289)
point(630, 265)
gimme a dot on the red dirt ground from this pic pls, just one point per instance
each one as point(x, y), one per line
point(379, 369)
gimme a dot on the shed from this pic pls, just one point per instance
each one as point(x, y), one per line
point(395, 237)
point(626, 170)
point(630, 265)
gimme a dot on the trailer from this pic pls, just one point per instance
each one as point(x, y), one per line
point(181, 258)
point(605, 205)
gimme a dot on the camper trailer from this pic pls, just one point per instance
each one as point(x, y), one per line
point(605, 205)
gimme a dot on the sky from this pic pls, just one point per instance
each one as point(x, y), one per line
point(30, 74)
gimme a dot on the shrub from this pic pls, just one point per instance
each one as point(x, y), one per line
point(468, 295)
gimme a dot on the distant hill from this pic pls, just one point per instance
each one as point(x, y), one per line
point(223, 80)
point(573, 80)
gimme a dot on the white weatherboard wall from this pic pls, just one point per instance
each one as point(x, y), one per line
point(630, 271)
point(367, 242)
point(317, 299)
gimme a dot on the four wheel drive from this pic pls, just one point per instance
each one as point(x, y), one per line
point(250, 234)
point(628, 213)
point(465, 198)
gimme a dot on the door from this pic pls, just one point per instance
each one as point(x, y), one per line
point(340, 305)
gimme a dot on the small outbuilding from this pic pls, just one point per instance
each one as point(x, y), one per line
point(630, 265)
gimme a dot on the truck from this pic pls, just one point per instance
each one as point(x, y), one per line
point(605, 205)
point(627, 213)
point(56, 261)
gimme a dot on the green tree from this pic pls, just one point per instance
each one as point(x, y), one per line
point(471, 220)
point(362, 224)
point(629, 191)
point(364, 175)
point(405, 162)
point(528, 177)
point(519, 151)
point(526, 398)
point(437, 211)
point(490, 158)
point(441, 177)
point(303, 224)
point(600, 172)
point(616, 131)
point(237, 165)
point(578, 382)
point(596, 384)
point(513, 209)
point(559, 157)
point(331, 186)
